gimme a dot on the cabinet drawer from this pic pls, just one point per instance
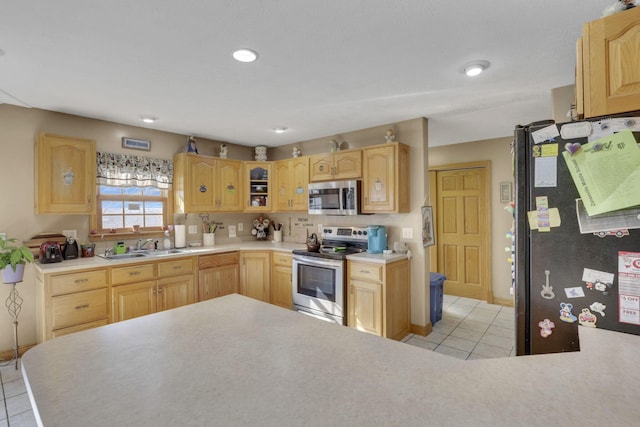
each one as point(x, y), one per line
point(283, 259)
point(134, 273)
point(78, 282)
point(175, 268)
point(218, 260)
point(81, 307)
point(71, 329)
point(364, 271)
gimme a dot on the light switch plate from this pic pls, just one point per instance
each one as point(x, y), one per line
point(240, 226)
point(232, 231)
point(70, 233)
point(407, 233)
point(193, 229)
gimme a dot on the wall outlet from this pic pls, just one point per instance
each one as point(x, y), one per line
point(407, 233)
point(232, 231)
point(3, 236)
point(319, 228)
point(193, 229)
point(70, 233)
point(240, 226)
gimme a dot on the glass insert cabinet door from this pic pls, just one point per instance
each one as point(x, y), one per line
point(258, 179)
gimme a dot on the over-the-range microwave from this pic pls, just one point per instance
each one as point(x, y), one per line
point(334, 198)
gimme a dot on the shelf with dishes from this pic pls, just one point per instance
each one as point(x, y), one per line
point(258, 178)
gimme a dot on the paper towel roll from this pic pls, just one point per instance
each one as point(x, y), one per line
point(180, 236)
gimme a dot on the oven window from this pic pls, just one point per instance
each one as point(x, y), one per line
point(317, 282)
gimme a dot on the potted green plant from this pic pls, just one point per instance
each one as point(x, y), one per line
point(13, 258)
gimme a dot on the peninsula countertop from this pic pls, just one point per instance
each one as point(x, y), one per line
point(237, 361)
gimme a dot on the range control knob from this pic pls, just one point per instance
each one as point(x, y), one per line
point(364, 233)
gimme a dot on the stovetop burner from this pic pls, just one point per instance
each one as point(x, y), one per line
point(338, 242)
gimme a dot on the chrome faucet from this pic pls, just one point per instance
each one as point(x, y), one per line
point(140, 244)
point(108, 251)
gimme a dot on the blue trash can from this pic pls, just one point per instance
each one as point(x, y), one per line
point(437, 295)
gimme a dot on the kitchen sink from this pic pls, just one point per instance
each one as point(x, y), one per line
point(123, 256)
point(149, 253)
point(166, 252)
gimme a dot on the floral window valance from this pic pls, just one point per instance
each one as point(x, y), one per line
point(123, 170)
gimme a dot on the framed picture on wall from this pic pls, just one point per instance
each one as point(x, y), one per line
point(136, 144)
point(428, 238)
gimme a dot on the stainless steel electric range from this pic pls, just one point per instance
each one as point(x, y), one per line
point(319, 278)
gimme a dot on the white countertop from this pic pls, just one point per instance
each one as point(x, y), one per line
point(98, 262)
point(240, 245)
point(377, 258)
point(237, 361)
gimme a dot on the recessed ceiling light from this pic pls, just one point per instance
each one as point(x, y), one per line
point(245, 55)
point(148, 118)
point(280, 129)
point(476, 67)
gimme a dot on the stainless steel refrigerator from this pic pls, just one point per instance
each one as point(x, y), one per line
point(575, 267)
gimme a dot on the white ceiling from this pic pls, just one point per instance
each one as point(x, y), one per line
point(324, 67)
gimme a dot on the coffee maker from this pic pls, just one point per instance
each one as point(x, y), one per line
point(70, 249)
point(376, 239)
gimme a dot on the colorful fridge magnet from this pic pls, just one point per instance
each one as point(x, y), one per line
point(587, 318)
point(599, 286)
point(598, 307)
point(546, 327)
point(572, 148)
point(574, 292)
point(547, 290)
point(565, 312)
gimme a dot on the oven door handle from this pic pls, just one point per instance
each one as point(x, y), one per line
point(318, 261)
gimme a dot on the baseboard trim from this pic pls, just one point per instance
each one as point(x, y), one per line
point(507, 302)
point(8, 354)
point(422, 330)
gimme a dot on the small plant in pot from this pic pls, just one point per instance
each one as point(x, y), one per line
point(13, 258)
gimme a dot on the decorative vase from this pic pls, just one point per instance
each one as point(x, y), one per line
point(10, 276)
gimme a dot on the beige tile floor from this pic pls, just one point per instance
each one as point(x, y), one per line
point(16, 408)
point(469, 329)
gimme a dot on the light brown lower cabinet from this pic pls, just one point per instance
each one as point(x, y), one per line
point(255, 274)
point(281, 280)
point(218, 275)
point(70, 302)
point(84, 299)
point(142, 289)
point(379, 298)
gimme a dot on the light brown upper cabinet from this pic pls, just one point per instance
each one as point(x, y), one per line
point(65, 169)
point(385, 179)
point(291, 184)
point(258, 186)
point(206, 184)
point(608, 65)
point(338, 165)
